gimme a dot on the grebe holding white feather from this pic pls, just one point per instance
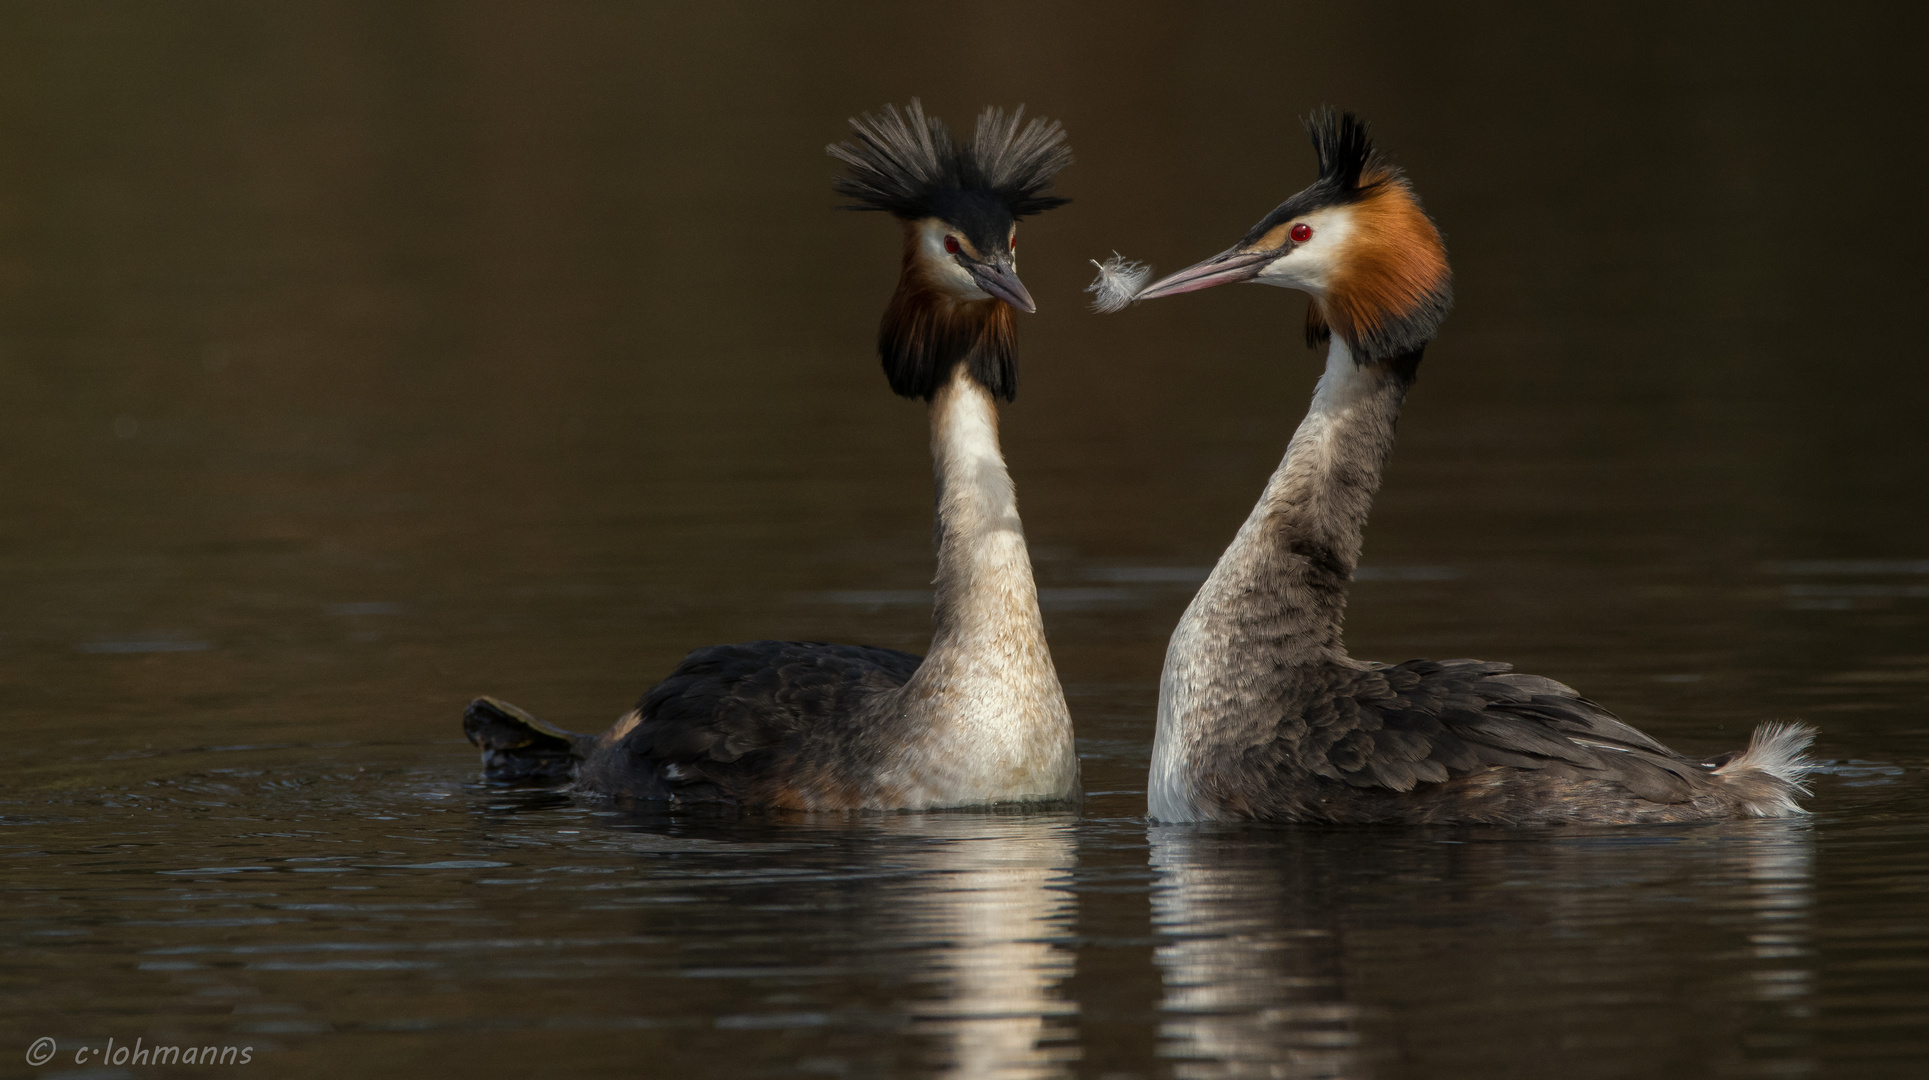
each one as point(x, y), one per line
point(1262, 714)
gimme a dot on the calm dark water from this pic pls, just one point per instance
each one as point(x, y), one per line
point(362, 358)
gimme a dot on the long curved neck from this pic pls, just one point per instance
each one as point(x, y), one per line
point(1275, 602)
point(986, 705)
point(984, 585)
point(1283, 580)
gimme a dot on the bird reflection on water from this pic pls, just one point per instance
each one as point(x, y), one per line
point(914, 944)
point(1252, 979)
point(985, 918)
point(1316, 953)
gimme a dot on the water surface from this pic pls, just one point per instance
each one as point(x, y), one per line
point(364, 358)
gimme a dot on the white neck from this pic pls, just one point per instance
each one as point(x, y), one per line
point(1208, 659)
point(991, 713)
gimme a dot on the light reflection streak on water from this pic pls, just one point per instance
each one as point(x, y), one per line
point(986, 916)
point(1325, 954)
point(441, 373)
point(1251, 988)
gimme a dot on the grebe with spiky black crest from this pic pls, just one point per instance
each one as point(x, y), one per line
point(981, 719)
point(1262, 714)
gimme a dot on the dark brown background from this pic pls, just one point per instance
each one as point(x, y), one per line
point(359, 358)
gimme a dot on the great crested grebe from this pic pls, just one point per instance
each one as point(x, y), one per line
point(1262, 714)
point(981, 719)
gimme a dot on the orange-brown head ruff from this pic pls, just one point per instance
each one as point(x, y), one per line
point(1391, 287)
point(928, 328)
point(960, 203)
point(1356, 240)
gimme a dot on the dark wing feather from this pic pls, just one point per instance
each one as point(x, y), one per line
point(731, 719)
point(1394, 727)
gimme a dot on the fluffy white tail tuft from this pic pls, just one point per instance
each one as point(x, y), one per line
point(1777, 749)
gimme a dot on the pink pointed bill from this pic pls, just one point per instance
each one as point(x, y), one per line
point(1227, 266)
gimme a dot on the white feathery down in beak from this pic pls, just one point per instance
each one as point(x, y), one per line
point(1119, 282)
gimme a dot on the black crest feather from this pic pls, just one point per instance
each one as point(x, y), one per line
point(1402, 316)
point(1345, 150)
point(907, 163)
point(1347, 157)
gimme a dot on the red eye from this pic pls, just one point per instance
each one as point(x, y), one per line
point(1302, 232)
point(951, 244)
point(1014, 241)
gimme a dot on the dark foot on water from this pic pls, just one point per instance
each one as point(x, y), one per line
point(516, 747)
